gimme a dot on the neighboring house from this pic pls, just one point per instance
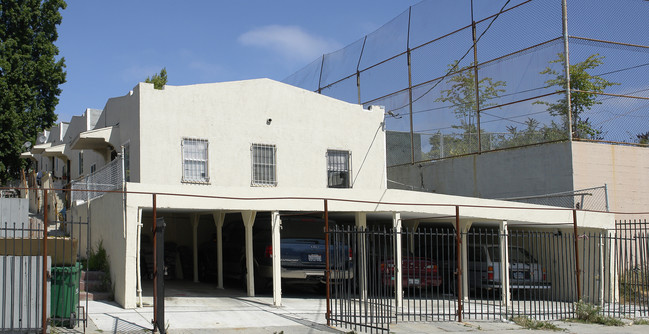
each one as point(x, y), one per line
point(257, 146)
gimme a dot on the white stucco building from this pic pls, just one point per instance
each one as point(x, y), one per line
point(241, 148)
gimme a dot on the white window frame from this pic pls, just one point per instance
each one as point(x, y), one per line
point(263, 166)
point(198, 158)
point(339, 162)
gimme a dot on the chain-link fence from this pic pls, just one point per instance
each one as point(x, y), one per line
point(109, 177)
point(465, 77)
point(593, 199)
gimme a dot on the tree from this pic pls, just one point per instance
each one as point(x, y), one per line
point(584, 87)
point(158, 80)
point(30, 75)
point(462, 96)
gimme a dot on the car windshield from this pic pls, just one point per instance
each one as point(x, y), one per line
point(516, 255)
point(303, 228)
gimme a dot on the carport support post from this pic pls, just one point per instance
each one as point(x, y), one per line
point(398, 286)
point(248, 221)
point(219, 218)
point(504, 263)
point(194, 220)
point(277, 259)
point(361, 224)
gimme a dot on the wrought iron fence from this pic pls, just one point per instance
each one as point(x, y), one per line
point(465, 77)
point(497, 274)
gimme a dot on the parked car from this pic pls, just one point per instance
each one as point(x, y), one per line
point(484, 263)
point(416, 272)
point(303, 253)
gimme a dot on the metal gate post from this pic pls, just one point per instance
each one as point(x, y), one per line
point(577, 269)
point(458, 240)
point(155, 266)
point(327, 272)
point(45, 273)
point(160, 273)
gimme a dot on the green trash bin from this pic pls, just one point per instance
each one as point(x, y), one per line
point(65, 295)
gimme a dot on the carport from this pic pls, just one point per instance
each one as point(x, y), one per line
point(398, 215)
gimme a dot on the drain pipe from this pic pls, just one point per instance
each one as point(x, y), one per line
point(137, 258)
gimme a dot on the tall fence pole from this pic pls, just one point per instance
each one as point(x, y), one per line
point(44, 313)
point(577, 269)
point(458, 263)
point(566, 55)
point(412, 133)
point(475, 78)
point(327, 272)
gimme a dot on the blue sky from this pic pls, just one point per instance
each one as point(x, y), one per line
point(110, 46)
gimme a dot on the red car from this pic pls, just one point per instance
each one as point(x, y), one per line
point(416, 272)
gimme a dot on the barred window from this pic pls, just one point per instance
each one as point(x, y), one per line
point(338, 169)
point(264, 169)
point(195, 159)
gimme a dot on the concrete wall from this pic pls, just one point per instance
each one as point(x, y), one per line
point(625, 170)
point(108, 226)
point(533, 170)
point(233, 115)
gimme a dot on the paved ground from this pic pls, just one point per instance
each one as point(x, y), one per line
point(199, 308)
point(256, 315)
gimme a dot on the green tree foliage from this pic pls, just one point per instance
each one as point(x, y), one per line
point(30, 75)
point(584, 87)
point(462, 96)
point(158, 80)
point(643, 138)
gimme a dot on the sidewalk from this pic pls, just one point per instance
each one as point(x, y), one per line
point(257, 315)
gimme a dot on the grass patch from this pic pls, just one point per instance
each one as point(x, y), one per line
point(640, 322)
point(590, 314)
point(528, 323)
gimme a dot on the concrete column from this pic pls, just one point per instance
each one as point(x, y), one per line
point(276, 223)
point(361, 224)
point(248, 222)
point(411, 225)
point(504, 263)
point(193, 218)
point(219, 218)
point(398, 270)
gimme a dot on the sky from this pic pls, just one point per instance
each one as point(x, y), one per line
point(110, 46)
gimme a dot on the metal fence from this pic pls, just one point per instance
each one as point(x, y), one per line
point(466, 77)
point(547, 274)
point(41, 272)
point(109, 177)
point(593, 199)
